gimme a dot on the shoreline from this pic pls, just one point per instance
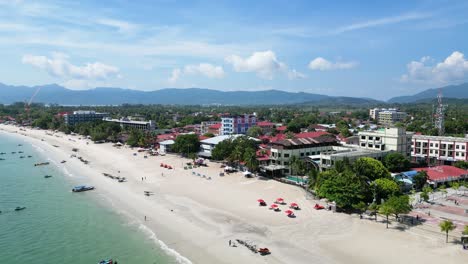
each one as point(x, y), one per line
point(197, 217)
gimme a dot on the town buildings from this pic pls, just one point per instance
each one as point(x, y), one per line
point(390, 139)
point(386, 116)
point(83, 116)
point(439, 149)
point(128, 123)
point(207, 145)
point(281, 151)
point(231, 125)
point(205, 126)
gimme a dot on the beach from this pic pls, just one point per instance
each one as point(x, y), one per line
point(193, 218)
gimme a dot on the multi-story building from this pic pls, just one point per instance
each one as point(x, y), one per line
point(231, 125)
point(128, 123)
point(386, 116)
point(387, 139)
point(282, 151)
point(83, 116)
point(438, 149)
point(205, 125)
point(327, 159)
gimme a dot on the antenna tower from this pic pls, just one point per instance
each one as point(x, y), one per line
point(439, 115)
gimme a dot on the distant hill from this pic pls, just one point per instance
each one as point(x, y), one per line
point(452, 91)
point(55, 94)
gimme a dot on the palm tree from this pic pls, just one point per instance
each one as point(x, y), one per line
point(465, 231)
point(250, 159)
point(293, 163)
point(447, 226)
point(236, 154)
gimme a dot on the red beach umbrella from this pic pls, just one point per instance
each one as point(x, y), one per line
point(294, 205)
point(288, 212)
point(280, 200)
point(274, 206)
point(260, 201)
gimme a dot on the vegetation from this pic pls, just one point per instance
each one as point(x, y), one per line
point(446, 226)
point(461, 164)
point(420, 180)
point(395, 205)
point(396, 162)
point(186, 144)
point(370, 169)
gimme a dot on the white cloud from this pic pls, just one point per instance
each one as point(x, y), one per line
point(454, 68)
point(206, 69)
point(74, 76)
point(209, 70)
point(175, 75)
point(264, 63)
point(322, 64)
point(294, 75)
point(120, 25)
point(382, 22)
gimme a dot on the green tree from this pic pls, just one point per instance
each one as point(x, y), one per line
point(186, 144)
point(446, 226)
point(386, 209)
point(254, 131)
point(386, 188)
point(396, 162)
point(250, 159)
point(461, 164)
point(425, 196)
point(400, 204)
point(374, 207)
point(420, 180)
point(210, 135)
point(222, 150)
point(134, 138)
point(465, 230)
point(361, 207)
point(370, 169)
point(344, 188)
point(455, 186)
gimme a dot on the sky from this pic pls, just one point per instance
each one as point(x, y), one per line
point(372, 49)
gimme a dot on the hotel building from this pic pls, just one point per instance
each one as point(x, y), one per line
point(439, 150)
point(231, 125)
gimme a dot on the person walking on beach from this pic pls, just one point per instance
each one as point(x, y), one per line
point(141, 178)
point(229, 242)
point(145, 217)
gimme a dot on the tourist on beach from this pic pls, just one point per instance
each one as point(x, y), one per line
point(145, 217)
point(229, 242)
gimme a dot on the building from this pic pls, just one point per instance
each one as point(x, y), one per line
point(282, 151)
point(387, 139)
point(231, 125)
point(128, 123)
point(439, 149)
point(327, 159)
point(266, 126)
point(443, 174)
point(83, 116)
point(386, 116)
point(165, 146)
point(207, 145)
point(214, 129)
point(205, 125)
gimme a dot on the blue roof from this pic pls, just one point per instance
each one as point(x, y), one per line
point(409, 174)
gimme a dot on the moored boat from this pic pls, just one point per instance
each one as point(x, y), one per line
point(42, 164)
point(107, 261)
point(19, 208)
point(82, 188)
point(47, 176)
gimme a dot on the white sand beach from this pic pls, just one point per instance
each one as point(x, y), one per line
point(197, 217)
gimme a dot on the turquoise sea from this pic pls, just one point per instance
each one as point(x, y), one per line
point(59, 226)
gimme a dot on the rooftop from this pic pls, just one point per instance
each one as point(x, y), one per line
point(304, 141)
point(443, 172)
point(216, 140)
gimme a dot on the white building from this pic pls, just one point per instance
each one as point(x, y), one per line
point(128, 123)
point(386, 116)
point(439, 150)
point(207, 145)
point(387, 139)
point(83, 116)
point(327, 159)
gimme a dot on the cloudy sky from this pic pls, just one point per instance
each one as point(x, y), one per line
point(363, 49)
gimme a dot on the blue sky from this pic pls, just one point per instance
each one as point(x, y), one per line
point(348, 48)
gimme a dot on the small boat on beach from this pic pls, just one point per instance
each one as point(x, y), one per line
point(63, 161)
point(19, 208)
point(48, 176)
point(82, 188)
point(42, 164)
point(107, 261)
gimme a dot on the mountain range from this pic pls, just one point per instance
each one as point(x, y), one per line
point(55, 94)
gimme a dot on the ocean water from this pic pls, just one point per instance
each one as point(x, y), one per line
point(59, 226)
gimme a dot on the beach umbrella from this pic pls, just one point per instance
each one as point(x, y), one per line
point(294, 205)
point(260, 201)
point(280, 200)
point(274, 206)
point(289, 212)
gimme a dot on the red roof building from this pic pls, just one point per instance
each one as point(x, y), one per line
point(314, 134)
point(265, 124)
point(444, 173)
point(281, 129)
point(214, 129)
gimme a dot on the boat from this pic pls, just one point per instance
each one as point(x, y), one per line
point(13, 152)
point(20, 208)
point(264, 251)
point(41, 164)
point(19, 145)
point(47, 176)
point(20, 152)
point(22, 157)
point(107, 261)
point(2, 159)
point(63, 161)
point(29, 156)
point(82, 188)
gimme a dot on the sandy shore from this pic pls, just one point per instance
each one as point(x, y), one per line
point(197, 217)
